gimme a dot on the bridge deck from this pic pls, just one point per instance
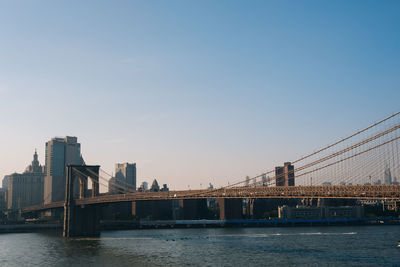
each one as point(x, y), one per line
point(389, 192)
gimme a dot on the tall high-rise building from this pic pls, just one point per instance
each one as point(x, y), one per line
point(60, 152)
point(284, 175)
point(388, 176)
point(4, 183)
point(3, 201)
point(264, 180)
point(4, 187)
point(247, 183)
point(26, 189)
point(125, 176)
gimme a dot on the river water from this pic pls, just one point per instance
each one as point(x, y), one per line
point(275, 246)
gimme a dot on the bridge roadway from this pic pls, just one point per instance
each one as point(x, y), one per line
point(388, 192)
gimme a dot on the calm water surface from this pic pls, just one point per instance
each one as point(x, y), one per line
point(308, 246)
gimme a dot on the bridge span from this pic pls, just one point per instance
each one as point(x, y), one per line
point(384, 192)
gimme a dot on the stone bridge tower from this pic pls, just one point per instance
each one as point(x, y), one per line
point(81, 220)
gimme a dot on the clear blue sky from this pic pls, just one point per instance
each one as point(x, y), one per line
point(193, 91)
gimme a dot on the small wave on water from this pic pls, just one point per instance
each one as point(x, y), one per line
point(109, 238)
point(284, 234)
point(319, 233)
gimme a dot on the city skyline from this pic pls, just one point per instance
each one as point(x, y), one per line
point(193, 101)
point(63, 151)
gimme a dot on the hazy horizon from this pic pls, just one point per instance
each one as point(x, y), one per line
point(193, 92)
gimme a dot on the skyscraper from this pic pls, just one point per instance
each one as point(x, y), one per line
point(388, 176)
point(3, 201)
point(264, 180)
point(60, 152)
point(125, 175)
point(247, 183)
point(285, 175)
point(6, 180)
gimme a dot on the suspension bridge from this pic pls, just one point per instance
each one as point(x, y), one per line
point(363, 165)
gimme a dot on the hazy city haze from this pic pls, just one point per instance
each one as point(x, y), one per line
point(193, 92)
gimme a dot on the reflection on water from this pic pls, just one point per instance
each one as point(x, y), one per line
point(344, 245)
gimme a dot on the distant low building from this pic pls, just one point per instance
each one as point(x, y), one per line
point(154, 186)
point(164, 188)
point(143, 187)
point(25, 190)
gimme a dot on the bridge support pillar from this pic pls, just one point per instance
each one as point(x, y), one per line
point(230, 208)
point(192, 209)
point(152, 209)
point(80, 220)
